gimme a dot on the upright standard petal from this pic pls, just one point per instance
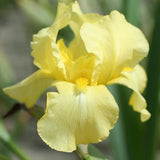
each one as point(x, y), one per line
point(46, 53)
point(136, 80)
point(62, 19)
point(117, 44)
point(77, 20)
point(29, 90)
point(77, 117)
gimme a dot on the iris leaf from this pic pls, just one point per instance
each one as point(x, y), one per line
point(153, 88)
point(118, 137)
point(9, 143)
point(3, 157)
point(131, 9)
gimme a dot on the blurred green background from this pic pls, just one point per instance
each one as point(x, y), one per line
point(130, 139)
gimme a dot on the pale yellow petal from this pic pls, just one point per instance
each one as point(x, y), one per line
point(99, 41)
point(30, 89)
point(46, 53)
point(77, 20)
point(62, 19)
point(66, 57)
point(73, 117)
point(135, 80)
point(83, 67)
point(115, 42)
point(130, 43)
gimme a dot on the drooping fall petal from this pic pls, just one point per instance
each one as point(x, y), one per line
point(75, 117)
point(29, 90)
point(136, 80)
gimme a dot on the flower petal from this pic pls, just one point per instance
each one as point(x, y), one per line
point(73, 117)
point(83, 67)
point(77, 20)
point(29, 90)
point(99, 42)
point(117, 44)
point(46, 53)
point(135, 80)
point(62, 19)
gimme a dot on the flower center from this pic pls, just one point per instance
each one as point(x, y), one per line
point(81, 83)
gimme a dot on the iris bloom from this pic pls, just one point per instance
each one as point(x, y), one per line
point(105, 50)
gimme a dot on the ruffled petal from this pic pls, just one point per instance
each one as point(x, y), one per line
point(131, 47)
point(75, 117)
point(29, 90)
point(136, 80)
point(77, 20)
point(99, 41)
point(46, 53)
point(62, 19)
point(116, 43)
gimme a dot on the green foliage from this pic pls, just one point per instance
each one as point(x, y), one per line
point(153, 90)
point(6, 78)
point(95, 154)
point(5, 4)
point(9, 143)
point(3, 157)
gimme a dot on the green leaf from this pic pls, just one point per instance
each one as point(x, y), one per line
point(118, 134)
point(131, 10)
point(4, 135)
point(152, 91)
point(6, 78)
point(3, 157)
point(9, 143)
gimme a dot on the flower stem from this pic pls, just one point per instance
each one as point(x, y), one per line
point(82, 151)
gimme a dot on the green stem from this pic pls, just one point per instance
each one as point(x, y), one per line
point(82, 151)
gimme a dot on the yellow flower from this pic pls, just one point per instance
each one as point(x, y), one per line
point(106, 50)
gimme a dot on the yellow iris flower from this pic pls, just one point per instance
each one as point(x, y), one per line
point(106, 50)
